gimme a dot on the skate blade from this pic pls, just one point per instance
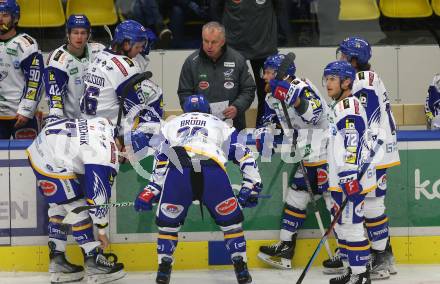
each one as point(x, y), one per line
point(392, 269)
point(60, 277)
point(277, 262)
point(105, 278)
point(379, 275)
point(333, 271)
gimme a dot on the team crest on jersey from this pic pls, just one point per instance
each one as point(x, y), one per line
point(48, 188)
point(171, 210)
point(227, 206)
point(203, 85)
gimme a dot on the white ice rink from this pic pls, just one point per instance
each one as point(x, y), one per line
point(407, 274)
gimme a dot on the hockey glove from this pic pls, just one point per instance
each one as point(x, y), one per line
point(146, 198)
point(249, 197)
point(349, 183)
point(264, 142)
point(287, 92)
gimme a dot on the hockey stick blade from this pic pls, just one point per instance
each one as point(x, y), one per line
point(363, 169)
point(71, 215)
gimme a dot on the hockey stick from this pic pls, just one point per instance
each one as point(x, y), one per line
point(71, 216)
point(107, 29)
point(287, 61)
point(338, 214)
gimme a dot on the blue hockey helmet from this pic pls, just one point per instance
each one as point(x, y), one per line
point(274, 62)
point(342, 69)
point(196, 103)
point(11, 7)
point(131, 31)
point(77, 21)
point(355, 47)
point(152, 38)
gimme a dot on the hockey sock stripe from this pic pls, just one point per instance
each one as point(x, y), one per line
point(168, 237)
point(56, 219)
point(235, 235)
point(376, 221)
point(295, 212)
point(80, 228)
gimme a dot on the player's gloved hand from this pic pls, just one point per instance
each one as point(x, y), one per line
point(146, 198)
point(264, 141)
point(349, 183)
point(249, 197)
point(287, 92)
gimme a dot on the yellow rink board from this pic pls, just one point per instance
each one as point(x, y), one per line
point(194, 255)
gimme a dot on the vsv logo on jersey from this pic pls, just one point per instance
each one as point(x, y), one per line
point(171, 210)
point(421, 188)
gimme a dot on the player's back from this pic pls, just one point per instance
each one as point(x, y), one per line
point(65, 145)
point(104, 78)
point(199, 133)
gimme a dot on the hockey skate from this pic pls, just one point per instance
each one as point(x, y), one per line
point(349, 278)
point(61, 270)
point(241, 270)
point(380, 267)
point(99, 269)
point(390, 258)
point(333, 265)
point(164, 270)
point(279, 255)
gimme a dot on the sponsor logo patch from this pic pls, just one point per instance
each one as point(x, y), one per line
point(48, 188)
point(120, 66)
point(322, 176)
point(382, 182)
point(226, 207)
point(228, 85)
point(171, 210)
point(203, 85)
point(229, 64)
point(25, 133)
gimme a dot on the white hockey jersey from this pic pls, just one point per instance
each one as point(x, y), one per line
point(21, 73)
point(371, 92)
point(64, 146)
point(64, 79)
point(104, 82)
point(311, 125)
point(432, 104)
point(349, 144)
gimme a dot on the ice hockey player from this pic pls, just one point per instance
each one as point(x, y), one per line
point(432, 104)
point(308, 116)
point(112, 69)
point(196, 148)
point(21, 73)
point(75, 162)
point(349, 152)
point(66, 67)
point(371, 92)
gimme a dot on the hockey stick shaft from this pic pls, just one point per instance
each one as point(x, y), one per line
point(362, 171)
point(71, 215)
point(289, 59)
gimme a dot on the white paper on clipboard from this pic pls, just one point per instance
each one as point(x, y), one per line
point(218, 108)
